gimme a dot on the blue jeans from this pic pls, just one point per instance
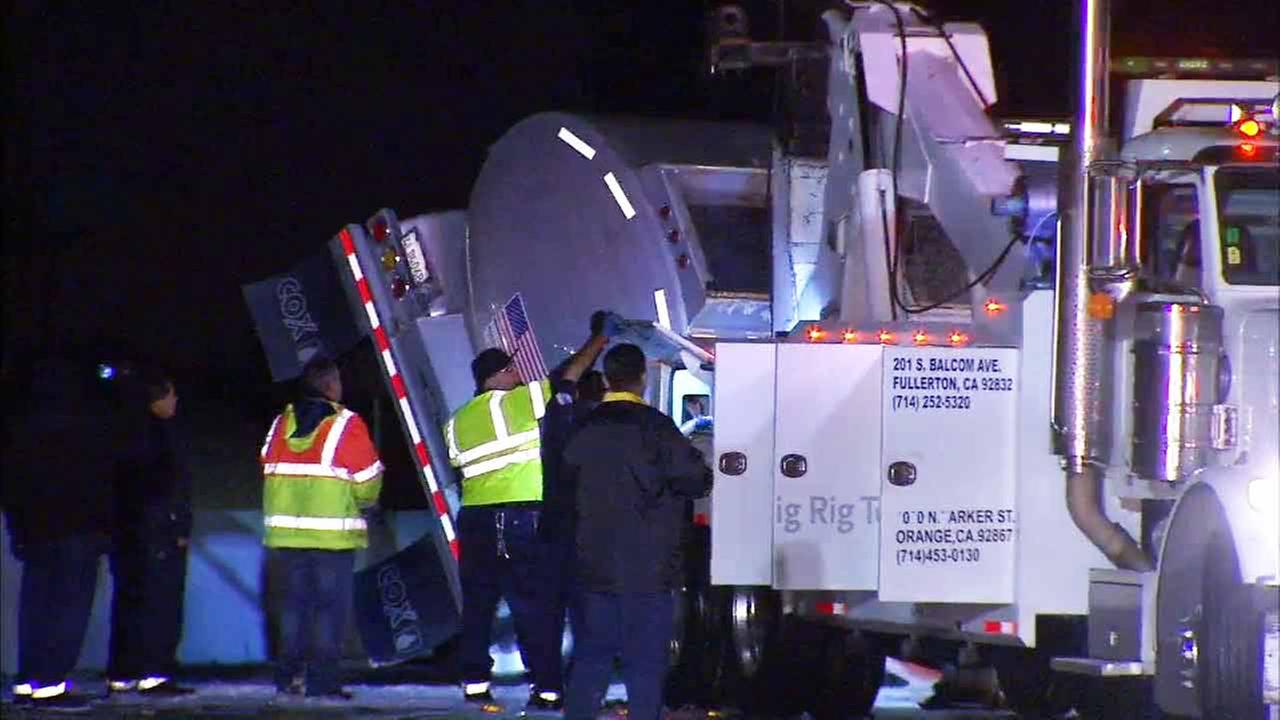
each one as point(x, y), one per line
point(638, 626)
point(314, 605)
point(54, 601)
point(501, 556)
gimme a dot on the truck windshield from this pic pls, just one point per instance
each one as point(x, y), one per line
point(1249, 218)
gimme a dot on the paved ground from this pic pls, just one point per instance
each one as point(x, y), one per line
point(248, 693)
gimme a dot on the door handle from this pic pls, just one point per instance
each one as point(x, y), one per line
point(732, 463)
point(793, 465)
point(902, 474)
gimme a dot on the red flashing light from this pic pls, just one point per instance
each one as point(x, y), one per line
point(993, 306)
point(1249, 127)
point(399, 286)
point(381, 230)
point(816, 333)
point(1247, 149)
point(850, 336)
point(886, 338)
point(958, 338)
point(920, 337)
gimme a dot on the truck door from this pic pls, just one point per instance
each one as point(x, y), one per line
point(948, 524)
point(826, 475)
point(742, 496)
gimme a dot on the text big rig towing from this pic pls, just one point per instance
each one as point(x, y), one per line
point(933, 431)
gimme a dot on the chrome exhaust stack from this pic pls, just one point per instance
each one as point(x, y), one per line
point(1083, 351)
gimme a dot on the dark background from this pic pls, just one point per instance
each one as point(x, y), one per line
point(159, 154)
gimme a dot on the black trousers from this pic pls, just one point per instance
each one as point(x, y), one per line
point(503, 557)
point(149, 577)
point(312, 620)
point(54, 602)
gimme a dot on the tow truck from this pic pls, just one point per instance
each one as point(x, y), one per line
point(1002, 392)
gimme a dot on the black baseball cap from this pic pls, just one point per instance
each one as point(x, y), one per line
point(487, 364)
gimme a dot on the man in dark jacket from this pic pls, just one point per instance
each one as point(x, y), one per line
point(149, 557)
point(634, 475)
point(57, 503)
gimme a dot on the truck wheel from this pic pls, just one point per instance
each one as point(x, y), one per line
point(751, 621)
point(852, 672)
point(1230, 643)
point(1028, 686)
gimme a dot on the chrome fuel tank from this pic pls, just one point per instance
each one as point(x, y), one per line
point(1177, 361)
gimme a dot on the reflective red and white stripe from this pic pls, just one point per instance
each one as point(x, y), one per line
point(829, 608)
point(383, 343)
point(1000, 627)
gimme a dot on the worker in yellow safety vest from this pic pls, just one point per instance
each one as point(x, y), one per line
point(322, 474)
point(494, 440)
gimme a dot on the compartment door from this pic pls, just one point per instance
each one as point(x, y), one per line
point(948, 467)
point(826, 467)
point(742, 496)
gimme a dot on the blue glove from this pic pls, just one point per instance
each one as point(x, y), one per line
point(613, 325)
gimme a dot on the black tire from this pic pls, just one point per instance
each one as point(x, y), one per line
point(1230, 660)
point(760, 657)
point(852, 672)
point(1028, 686)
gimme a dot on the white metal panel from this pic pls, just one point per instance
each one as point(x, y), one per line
point(825, 522)
point(950, 536)
point(741, 505)
point(1053, 556)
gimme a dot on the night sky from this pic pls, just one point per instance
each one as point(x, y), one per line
point(157, 156)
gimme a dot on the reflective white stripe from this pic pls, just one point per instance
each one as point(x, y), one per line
point(549, 695)
point(367, 474)
point(576, 143)
point(293, 522)
point(664, 312)
point(48, 691)
point(448, 528)
point(539, 400)
point(389, 363)
point(307, 469)
point(620, 197)
point(335, 436)
point(373, 316)
point(452, 442)
point(497, 446)
point(147, 683)
point(495, 414)
point(413, 423)
point(123, 685)
point(22, 689)
point(355, 267)
point(475, 688)
point(430, 477)
point(266, 445)
point(487, 466)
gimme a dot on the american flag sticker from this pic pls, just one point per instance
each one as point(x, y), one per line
point(515, 334)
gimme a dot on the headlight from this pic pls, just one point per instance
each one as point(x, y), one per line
point(1264, 495)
